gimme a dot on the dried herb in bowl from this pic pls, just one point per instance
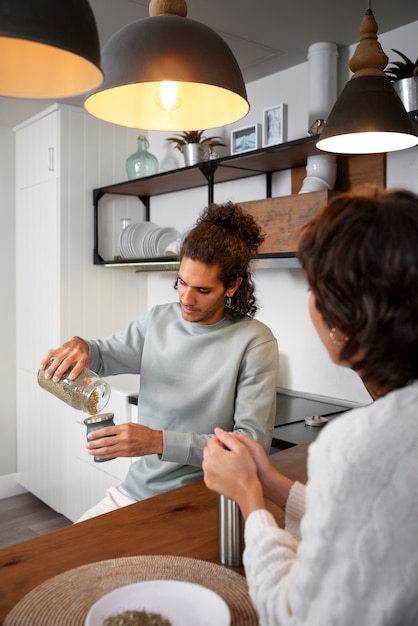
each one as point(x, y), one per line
point(137, 618)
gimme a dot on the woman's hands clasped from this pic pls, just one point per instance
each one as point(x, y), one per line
point(230, 469)
point(238, 467)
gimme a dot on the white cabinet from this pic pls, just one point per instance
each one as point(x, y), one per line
point(60, 156)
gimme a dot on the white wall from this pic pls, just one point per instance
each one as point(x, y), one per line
point(8, 310)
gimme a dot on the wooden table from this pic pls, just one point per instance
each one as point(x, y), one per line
point(182, 522)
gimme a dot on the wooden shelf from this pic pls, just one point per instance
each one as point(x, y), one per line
point(284, 156)
point(280, 217)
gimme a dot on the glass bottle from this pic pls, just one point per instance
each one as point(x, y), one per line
point(87, 392)
point(141, 163)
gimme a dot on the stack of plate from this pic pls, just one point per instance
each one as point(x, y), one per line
point(146, 239)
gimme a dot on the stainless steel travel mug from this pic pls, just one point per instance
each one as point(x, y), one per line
point(99, 421)
point(230, 532)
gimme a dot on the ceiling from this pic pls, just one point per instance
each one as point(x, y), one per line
point(266, 36)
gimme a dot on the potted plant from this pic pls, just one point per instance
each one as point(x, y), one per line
point(404, 77)
point(192, 144)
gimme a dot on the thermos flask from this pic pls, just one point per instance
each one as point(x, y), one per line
point(230, 532)
point(99, 421)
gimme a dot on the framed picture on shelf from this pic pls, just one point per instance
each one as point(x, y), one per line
point(245, 139)
point(274, 125)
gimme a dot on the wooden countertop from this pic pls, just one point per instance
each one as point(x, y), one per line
point(182, 522)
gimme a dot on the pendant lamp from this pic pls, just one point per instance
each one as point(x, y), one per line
point(167, 72)
point(369, 116)
point(48, 49)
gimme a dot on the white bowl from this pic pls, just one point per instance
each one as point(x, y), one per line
point(183, 603)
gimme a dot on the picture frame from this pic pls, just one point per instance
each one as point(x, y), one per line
point(245, 139)
point(274, 125)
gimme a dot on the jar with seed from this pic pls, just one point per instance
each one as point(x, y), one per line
point(87, 392)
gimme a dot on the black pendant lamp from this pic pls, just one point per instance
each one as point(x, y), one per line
point(48, 48)
point(368, 116)
point(167, 72)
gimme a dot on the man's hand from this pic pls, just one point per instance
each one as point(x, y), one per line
point(75, 351)
point(124, 440)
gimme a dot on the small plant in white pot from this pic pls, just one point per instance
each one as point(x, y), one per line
point(404, 77)
point(193, 144)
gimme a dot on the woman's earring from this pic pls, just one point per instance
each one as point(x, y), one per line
point(334, 340)
point(228, 302)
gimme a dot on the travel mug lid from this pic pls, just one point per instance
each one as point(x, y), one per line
point(96, 419)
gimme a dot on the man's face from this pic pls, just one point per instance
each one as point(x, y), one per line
point(201, 292)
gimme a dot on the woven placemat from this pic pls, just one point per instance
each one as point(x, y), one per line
point(66, 599)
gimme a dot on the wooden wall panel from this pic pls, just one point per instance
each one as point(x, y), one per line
point(357, 171)
point(281, 218)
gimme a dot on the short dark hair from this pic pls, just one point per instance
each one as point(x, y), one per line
point(360, 258)
point(227, 236)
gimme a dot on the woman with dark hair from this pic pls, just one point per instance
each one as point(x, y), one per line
point(203, 361)
point(348, 554)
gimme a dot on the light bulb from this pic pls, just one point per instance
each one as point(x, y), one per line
point(169, 95)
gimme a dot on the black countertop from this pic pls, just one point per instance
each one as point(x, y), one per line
point(290, 428)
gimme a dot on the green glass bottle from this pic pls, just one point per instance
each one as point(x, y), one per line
point(141, 163)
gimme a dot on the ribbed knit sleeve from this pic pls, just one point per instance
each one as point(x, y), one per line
point(295, 509)
point(268, 557)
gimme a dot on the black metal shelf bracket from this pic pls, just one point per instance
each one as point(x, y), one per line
point(208, 169)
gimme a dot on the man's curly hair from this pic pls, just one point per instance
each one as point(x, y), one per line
point(227, 236)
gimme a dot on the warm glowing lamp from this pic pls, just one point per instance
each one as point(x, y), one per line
point(48, 49)
point(368, 116)
point(167, 72)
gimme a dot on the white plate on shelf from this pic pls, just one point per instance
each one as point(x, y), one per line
point(183, 603)
point(132, 237)
point(166, 236)
point(146, 228)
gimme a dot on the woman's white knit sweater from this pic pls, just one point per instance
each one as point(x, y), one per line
point(349, 554)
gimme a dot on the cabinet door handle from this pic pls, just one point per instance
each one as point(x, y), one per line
point(51, 159)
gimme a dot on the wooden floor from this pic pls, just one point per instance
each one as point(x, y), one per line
point(24, 517)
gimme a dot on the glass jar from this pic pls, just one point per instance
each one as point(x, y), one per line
point(141, 163)
point(87, 392)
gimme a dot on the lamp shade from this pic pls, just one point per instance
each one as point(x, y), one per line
point(176, 52)
point(368, 117)
point(48, 48)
